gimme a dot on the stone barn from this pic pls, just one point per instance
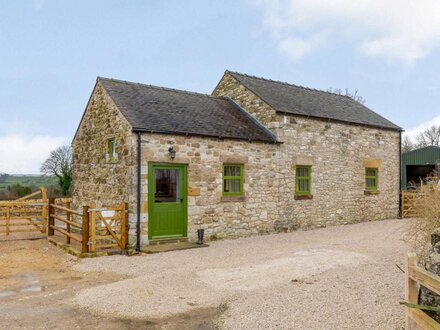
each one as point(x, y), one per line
point(257, 156)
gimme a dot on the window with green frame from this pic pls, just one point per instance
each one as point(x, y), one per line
point(371, 178)
point(111, 145)
point(303, 179)
point(233, 179)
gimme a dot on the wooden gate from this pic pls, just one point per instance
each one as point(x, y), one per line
point(108, 227)
point(410, 203)
point(26, 214)
point(91, 231)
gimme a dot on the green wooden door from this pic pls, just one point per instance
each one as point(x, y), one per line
point(167, 202)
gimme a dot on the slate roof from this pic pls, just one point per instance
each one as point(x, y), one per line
point(165, 110)
point(288, 98)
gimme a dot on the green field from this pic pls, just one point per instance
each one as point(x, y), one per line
point(33, 181)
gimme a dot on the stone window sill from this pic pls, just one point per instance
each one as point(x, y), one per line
point(301, 197)
point(371, 192)
point(233, 199)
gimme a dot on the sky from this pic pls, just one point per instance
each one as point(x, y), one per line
point(52, 51)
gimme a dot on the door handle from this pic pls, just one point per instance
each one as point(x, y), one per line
point(181, 200)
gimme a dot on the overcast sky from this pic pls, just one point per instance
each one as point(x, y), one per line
point(52, 51)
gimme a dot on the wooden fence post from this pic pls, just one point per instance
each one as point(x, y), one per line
point(92, 226)
point(8, 218)
point(51, 222)
point(43, 209)
point(124, 231)
point(68, 218)
point(411, 287)
point(85, 230)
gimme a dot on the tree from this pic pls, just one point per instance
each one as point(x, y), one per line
point(3, 176)
point(354, 95)
point(407, 144)
point(59, 164)
point(429, 137)
point(17, 190)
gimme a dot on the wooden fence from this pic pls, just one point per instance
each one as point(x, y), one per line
point(91, 231)
point(410, 203)
point(26, 214)
point(417, 276)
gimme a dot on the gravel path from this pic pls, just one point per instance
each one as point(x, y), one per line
point(333, 278)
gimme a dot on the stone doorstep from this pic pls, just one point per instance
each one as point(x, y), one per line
point(170, 246)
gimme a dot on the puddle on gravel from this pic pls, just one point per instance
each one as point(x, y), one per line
point(31, 285)
point(7, 293)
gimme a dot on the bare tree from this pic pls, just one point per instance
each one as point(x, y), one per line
point(407, 144)
point(429, 137)
point(59, 164)
point(354, 95)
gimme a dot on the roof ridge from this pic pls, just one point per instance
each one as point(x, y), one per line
point(288, 84)
point(181, 91)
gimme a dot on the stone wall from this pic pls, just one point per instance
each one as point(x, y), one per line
point(220, 216)
point(230, 87)
point(337, 152)
point(338, 155)
point(96, 178)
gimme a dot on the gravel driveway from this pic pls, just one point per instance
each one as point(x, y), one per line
point(333, 278)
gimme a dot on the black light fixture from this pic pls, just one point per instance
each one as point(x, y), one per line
point(171, 152)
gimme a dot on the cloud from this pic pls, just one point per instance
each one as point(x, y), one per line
point(406, 30)
point(413, 132)
point(23, 154)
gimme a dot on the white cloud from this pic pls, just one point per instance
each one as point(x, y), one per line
point(413, 132)
point(21, 154)
point(406, 30)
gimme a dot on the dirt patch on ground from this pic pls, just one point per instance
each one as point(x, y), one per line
point(36, 280)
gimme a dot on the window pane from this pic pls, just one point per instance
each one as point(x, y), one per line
point(232, 170)
point(232, 185)
point(302, 171)
point(303, 185)
point(371, 183)
point(371, 172)
point(167, 186)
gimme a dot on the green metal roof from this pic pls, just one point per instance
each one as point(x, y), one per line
point(423, 156)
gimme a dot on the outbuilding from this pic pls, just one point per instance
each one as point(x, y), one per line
point(255, 157)
point(417, 165)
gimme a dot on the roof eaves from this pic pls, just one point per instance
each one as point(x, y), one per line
point(146, 130)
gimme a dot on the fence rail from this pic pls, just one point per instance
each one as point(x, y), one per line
point(416, 276)
point(91, 230)
point(411, 203)
point(95, 229)
point(26, 214)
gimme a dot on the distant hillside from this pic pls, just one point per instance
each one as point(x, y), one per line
point(32, 181)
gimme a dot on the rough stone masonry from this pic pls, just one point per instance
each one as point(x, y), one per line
point(338, 153)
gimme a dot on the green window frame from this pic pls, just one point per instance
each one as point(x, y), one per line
point(233, 175)
point(303, 180)
point(111, 149)
point(371, 178)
